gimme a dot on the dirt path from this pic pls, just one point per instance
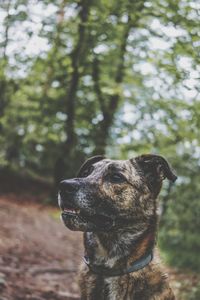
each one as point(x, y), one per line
point(35, 248)
point(32, 240)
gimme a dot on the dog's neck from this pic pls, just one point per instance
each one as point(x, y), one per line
point(119, 248)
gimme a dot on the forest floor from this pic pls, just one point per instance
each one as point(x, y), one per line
point(39, 257)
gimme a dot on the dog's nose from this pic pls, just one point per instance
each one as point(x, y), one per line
point(68, 186)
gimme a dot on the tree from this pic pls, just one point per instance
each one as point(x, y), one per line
point(110, 77)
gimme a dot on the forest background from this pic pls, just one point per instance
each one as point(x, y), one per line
point(119, 78)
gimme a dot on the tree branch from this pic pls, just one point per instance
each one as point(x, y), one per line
point(76, 57)
point(6, 30)
point(97, 87)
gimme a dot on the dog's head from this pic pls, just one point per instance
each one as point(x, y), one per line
point(113, 194)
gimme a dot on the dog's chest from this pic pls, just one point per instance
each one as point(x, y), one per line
point(115, 289)
point(110, 289)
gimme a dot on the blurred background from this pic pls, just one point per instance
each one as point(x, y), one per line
point(120, 78)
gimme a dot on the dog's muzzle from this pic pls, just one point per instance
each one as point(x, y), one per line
point(73, 214)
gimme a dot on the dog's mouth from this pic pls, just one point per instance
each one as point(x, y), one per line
point(71, 211)
point(97, 222)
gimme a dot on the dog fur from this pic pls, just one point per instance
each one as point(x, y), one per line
point(115, 204)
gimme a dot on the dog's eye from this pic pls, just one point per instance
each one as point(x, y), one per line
point(117, 178)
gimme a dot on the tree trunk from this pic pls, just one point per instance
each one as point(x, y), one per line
point(108, 111)
point(3, 81)
point(63, 163)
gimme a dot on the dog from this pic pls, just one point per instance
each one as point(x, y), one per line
point(114, 202)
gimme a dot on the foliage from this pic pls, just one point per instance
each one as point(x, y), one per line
point(179, 235)
point(112, 77)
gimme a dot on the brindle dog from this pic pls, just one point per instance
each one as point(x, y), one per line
point(114, 204)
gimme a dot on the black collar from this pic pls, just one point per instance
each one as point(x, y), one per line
point(104, 271)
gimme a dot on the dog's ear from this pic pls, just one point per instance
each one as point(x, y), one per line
point(155, 168)
point(86, 168)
